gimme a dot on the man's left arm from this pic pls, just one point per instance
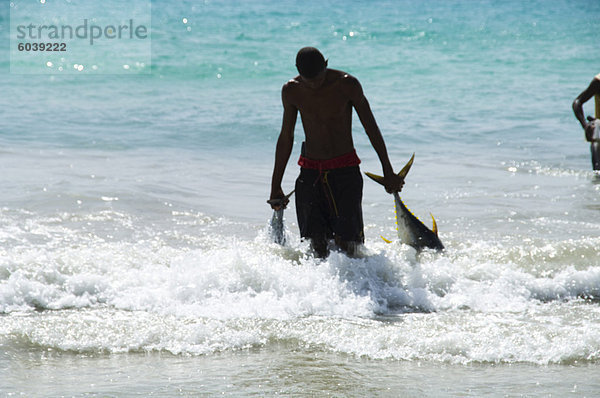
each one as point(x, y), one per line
point(393, 182)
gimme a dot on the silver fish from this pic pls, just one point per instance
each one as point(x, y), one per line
point(277, 230)
point(411, 231)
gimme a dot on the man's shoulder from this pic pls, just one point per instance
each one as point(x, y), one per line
point(597, 77)
point(292, 82)
point(291, 85)
point(288, 89)
point(348, 84)
point(343, 77)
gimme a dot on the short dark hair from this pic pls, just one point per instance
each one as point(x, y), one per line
point(310, 62)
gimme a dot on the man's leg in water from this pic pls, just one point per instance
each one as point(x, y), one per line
point(319, 246)
point(348, 247)
point(311, 210)
point(346, 189)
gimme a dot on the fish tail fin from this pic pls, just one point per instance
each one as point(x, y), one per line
point(287, 197)
point(407, 167)
point(402, 173)
point(375, 177)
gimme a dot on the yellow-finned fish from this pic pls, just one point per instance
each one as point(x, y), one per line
point(411, 231)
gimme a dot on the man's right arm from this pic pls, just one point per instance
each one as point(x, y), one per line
point(593, 89)
point(285, 143)
point(392, 181)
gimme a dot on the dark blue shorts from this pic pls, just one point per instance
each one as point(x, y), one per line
point(329, 204)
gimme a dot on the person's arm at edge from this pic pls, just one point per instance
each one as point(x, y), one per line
point(285, 142)
point(593, 88)
point(392, 181)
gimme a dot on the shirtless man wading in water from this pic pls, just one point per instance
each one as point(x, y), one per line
point(329, 188)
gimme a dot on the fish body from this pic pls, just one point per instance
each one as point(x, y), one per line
point(277, 229)
point(411, 230)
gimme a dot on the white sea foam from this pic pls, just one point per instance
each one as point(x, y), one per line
point(231, 293)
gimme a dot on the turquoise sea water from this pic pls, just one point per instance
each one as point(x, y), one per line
point(134, 257)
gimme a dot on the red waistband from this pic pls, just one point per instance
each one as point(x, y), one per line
point(347, 160)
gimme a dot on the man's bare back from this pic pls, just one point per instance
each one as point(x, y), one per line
point(325, 105)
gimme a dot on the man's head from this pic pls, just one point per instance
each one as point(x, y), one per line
point(310, 62)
